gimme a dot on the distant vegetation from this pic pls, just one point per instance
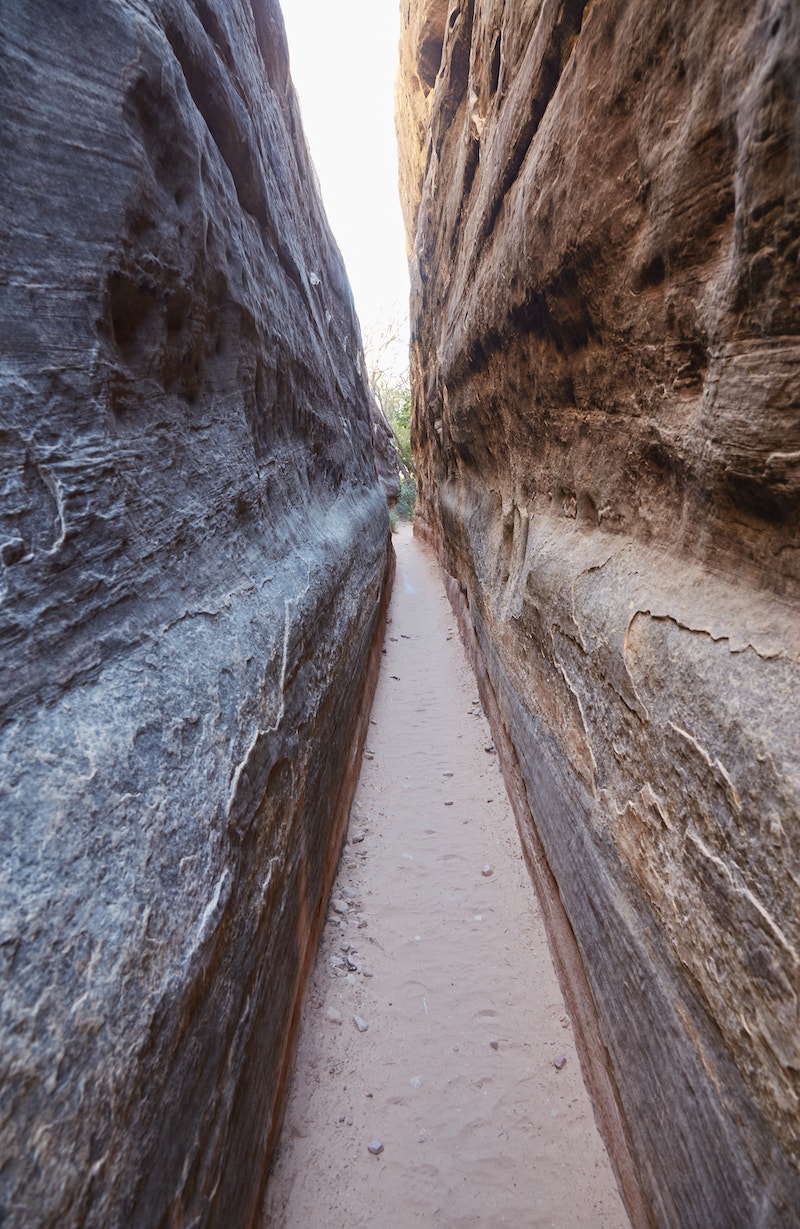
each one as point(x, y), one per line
point(389, 382)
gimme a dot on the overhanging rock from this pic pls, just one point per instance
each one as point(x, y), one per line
point(194, 568)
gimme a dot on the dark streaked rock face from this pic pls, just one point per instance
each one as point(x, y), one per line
point(603, 210)
point(194, 558)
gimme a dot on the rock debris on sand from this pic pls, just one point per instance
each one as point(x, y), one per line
point(454, 1088)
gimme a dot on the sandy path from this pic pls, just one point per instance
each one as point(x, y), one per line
point(451, 973)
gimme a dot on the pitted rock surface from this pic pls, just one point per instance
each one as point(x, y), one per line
point(602, 205)
point(194, 558)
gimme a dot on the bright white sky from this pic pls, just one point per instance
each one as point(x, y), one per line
point(343, 62)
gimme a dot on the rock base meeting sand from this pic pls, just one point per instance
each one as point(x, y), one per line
point(436, 1080)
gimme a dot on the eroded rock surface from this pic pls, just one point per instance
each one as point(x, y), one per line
point(603, 212)
point(194, 556)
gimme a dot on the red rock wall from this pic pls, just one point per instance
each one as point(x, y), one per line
point(604, 218)
point(194, 555)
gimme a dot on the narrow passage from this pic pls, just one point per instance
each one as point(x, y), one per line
point(434, 1024)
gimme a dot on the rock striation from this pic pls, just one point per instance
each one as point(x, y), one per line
point(603, 209)
point(194, 565)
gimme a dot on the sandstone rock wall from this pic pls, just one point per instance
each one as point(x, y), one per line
point(195, 557)
point(604, 217)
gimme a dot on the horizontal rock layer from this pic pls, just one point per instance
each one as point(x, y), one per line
point(194, 558)
point(603, 215)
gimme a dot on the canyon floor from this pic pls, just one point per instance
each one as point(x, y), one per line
point(434, 1029)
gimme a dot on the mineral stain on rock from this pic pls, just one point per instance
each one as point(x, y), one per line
point(195, 563)
point(602, 205)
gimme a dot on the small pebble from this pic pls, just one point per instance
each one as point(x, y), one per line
point(487, 871)
point(334, 1016)
point(339, 906)
point(449, 802)
point(415, 1081)
point(494, 1044)
point(559, 1061)
point(447, 774)
point(375, 1147)
point(489, 748)
point(360, 1024)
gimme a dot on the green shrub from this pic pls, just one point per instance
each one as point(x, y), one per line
point(408, 497)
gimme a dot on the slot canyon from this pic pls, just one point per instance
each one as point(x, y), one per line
point(602, 210)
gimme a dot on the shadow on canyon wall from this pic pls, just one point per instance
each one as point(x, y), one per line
point(603, 214)
point(196, 559)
